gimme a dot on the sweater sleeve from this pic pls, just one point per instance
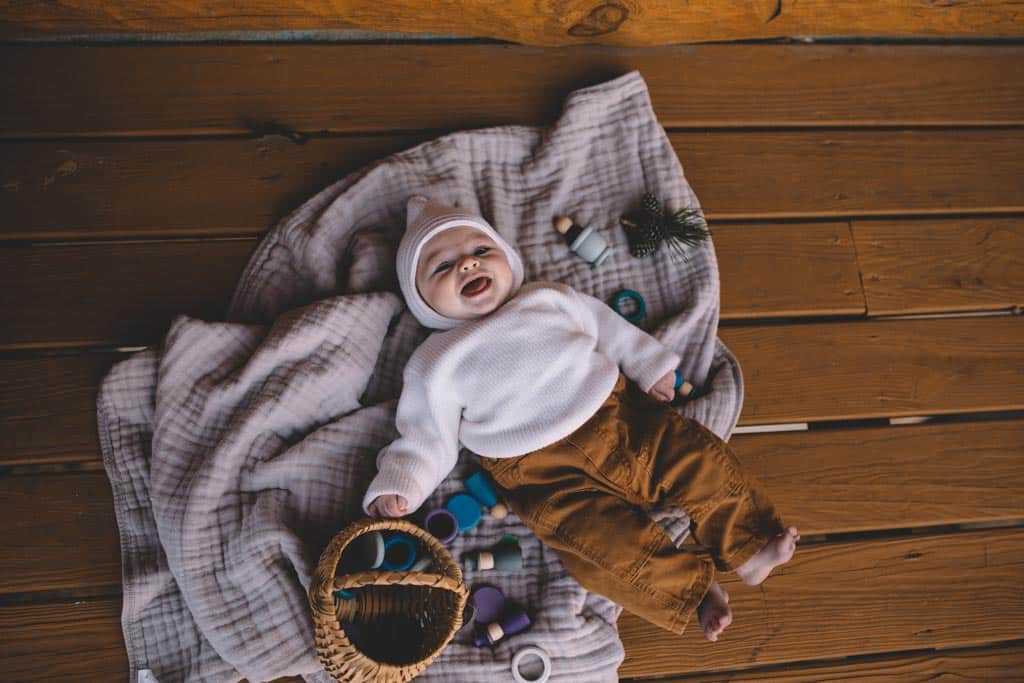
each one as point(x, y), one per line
point(413, 465)
point(642, 358)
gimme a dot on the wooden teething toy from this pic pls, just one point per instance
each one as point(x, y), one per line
point(584, 241)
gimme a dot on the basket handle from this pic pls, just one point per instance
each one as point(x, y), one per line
point(391, 578)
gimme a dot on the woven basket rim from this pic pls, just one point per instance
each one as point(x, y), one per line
point(324, 583)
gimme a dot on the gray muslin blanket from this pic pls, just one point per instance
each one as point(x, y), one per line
point(238, 448)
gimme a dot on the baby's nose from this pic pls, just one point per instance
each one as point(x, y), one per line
point(469, 263)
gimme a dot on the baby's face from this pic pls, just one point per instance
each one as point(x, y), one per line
point(463, 274)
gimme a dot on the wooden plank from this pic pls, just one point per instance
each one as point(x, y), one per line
point(941, 265)
point(773, 270)
point(178, 89)
point(538, 23)
point(171, 187)
point(835, 371)
point(123, 294)
point(61, 533)
point(853, 599)
point(60, 530)
point(793, 373)
point(79, 641)
point(114, 294)
point(48, 407)
point(969, 665)
point(80, 189)
point(862, 479)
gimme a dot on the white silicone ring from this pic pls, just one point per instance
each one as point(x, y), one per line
point(544, 659)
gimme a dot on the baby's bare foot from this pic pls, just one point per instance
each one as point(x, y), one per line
point(714, 612)
point(778, 551)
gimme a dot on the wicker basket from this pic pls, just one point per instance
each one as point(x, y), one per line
point(398, 622)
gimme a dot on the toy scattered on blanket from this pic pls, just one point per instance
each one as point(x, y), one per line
point(583, 241)
point(494, 618)
point(684, 388)
point(462, 512)
point(505, 555)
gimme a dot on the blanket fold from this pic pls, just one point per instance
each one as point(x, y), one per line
point(237, 449)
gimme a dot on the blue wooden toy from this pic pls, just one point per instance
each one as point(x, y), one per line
point(466, 510)
point(481, 488)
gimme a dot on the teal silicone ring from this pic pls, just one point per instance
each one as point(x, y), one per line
point(641, 307)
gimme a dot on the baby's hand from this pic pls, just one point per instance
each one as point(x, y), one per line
point(391, 505)
point(665, 388)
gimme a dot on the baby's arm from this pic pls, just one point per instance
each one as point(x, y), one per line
point(414, 464)
point(643, 359)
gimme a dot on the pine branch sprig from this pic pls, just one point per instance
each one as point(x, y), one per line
point(654, 224)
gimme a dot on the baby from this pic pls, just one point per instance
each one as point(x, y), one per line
point(533, 378)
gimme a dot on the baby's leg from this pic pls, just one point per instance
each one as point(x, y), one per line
point(612, 547)
point(731, 515)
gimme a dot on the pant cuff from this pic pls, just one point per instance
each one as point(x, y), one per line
point(682, 617)
point(752, 547)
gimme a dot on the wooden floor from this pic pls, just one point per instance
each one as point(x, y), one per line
point(847, 186)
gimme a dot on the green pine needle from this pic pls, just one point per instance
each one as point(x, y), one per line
point(685, 227)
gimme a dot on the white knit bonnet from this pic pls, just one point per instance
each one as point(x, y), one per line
point(425, 218)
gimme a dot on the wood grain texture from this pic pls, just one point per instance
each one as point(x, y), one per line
point(125, 294)
point(941, 265)
point(793, 373)
point(60, 531)
point(83, 189)
point(549, 22)
point(809, 372)
point(68, 91)
point(114, 293)
point(48, 408)
point(772, 270)
point(78, 641)
point(862, 479)
point(853, 599)
point(970, 665)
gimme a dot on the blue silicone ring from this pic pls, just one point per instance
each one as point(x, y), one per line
point(410, 554)
point(641, 307)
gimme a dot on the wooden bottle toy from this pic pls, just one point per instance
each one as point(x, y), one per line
point(584, 241)
point(511, 623)
point(505, 555)
point(685, 388)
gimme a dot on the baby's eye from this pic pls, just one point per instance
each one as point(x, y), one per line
point(443, 265)
point(480, 251)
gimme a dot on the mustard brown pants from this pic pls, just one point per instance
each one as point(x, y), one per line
point(589, 497)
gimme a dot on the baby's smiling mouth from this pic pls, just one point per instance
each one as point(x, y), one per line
point(477, 285)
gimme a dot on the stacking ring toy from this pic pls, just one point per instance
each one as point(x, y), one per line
point(399, 554)
point(641, 307)
point(545, 660)
point(442, 525)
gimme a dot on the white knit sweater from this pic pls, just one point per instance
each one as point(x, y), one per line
point(523, 377)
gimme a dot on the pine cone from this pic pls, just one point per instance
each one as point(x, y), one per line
point(647, 239)
point(651, 206)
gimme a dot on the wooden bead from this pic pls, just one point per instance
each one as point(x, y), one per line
point(499, 511)
point(562, 224)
